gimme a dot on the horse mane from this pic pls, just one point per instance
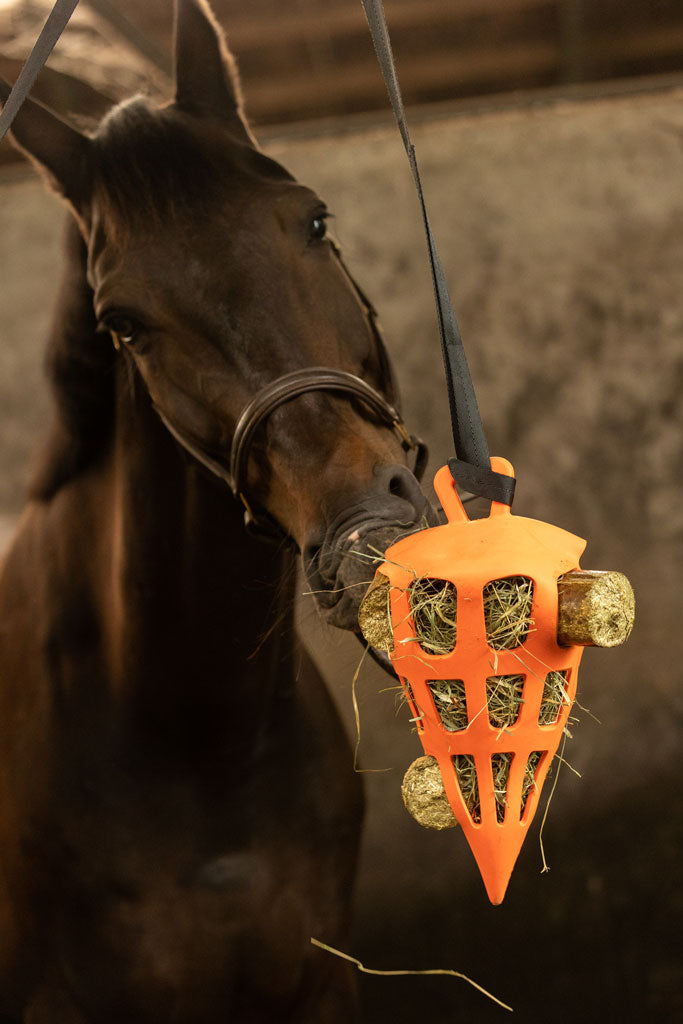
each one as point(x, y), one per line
point(80, 370)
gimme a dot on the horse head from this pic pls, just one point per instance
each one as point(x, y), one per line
point(211, 270)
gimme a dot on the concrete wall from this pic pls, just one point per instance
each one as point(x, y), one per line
point(561, 230)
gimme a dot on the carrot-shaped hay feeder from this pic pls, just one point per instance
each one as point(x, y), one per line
point(485, 630)
point(484, 620)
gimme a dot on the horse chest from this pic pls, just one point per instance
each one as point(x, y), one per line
point(181, 895)
point(185, 947)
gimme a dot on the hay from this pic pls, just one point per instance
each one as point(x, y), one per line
point(500, 768)
point(529, 780)
point(507, 611)
point(595, 608)
point(504, 699)
point(433, 604)
point(554, 698)
point(424, 796)
point(466, 772)
point(409, 973)
point(449, 700)
point(500, 764)
point(374, 614)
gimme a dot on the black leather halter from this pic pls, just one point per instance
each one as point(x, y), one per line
point(271, 397)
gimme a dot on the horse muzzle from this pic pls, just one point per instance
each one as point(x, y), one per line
point(340, 559)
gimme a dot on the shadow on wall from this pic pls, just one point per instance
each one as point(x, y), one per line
point(561, 230)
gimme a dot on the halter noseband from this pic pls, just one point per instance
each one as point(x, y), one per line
point(275, 394)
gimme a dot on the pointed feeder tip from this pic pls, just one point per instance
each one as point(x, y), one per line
point(496, 863)
point(495, 890)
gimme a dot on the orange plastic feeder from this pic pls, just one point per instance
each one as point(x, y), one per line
point(510, 762)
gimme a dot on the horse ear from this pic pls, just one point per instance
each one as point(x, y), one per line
point(54, 146)
point(205, 71)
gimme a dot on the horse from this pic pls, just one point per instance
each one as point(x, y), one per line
point(180, 815)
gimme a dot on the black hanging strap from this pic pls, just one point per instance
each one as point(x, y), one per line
point(57, 21)
point(472, 469)
point(484, 482)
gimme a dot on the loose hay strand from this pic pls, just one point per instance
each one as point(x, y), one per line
point(409, 973)
point(547, 806)
point(356, 713)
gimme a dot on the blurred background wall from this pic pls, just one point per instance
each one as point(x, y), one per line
point(559, 215)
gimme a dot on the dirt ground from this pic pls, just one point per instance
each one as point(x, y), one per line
point(561, 231)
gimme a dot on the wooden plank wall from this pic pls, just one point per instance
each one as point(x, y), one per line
point(313, 58)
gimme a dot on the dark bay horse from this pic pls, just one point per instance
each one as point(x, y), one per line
point(179, 813)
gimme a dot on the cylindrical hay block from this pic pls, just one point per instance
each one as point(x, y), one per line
point(424, 796)
point(374, 615)
point(595, 608)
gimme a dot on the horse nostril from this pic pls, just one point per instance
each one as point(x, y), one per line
point(398, 482)
point(396, 487)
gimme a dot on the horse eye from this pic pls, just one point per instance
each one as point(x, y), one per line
point(123, 329)
point(318, 228)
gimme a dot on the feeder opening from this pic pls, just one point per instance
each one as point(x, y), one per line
point(466, 774)
point(554, 697)
point(504, 697)
point(433, 604)
point(500, 767)
point(529, 780)
point(450, 703)
point(507, 611)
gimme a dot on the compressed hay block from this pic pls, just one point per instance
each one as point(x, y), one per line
point(424, 796)
point(374, 615)
point(595, 608)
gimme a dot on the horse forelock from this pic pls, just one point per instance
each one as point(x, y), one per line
point(148, 166)
point(154, 164)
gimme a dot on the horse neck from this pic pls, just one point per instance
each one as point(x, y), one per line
point(199, 602)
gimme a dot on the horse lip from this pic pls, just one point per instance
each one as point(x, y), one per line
point(339, 571)
point(336, 546)
point(340, 562)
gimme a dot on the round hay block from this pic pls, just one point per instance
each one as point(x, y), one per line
point(595, 608)
point(424, 797)
point(374, 615)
